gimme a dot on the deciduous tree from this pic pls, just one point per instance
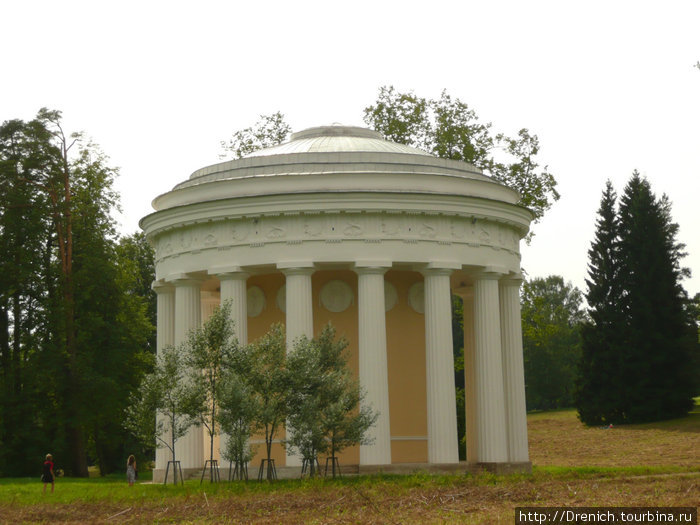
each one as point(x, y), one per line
point(552, 314)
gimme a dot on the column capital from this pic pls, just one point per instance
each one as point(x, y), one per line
point(371, 267)
point(296, 269)
point(233, 276)
point(229, 272)
point(184, 279)
point(160, 286)
point(515, 279)
point(488, 275)
point(429, 272)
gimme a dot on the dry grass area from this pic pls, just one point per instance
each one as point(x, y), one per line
point(561, 448)
point(559, 439)
point(461, 500)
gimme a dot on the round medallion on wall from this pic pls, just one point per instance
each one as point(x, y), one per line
point(416, 297)
point(256, 301)
point(391, 296)
point(336, 296)
point(282, 298)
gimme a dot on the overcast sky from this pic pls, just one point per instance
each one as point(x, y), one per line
point(608, 87)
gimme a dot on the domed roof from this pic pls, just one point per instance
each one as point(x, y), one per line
point(334, 159)
point(337, 138)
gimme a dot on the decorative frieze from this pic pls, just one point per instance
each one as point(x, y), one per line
point(409, 227)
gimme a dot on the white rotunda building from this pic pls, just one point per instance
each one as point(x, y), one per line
point(339, 225)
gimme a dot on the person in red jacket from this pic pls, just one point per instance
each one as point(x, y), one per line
point(47, 475)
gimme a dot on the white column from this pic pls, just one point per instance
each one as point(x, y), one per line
point(189, 449)
point(374, 377)
point(467, 296)
point(513, 370)
point(299, 321)
point(165, 336)
point(233, 288)
point(490, 409)
point(439, 364)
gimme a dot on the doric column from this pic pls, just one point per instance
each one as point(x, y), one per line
point(513, 371)
point(189, 449)
point(439, 364)
point(165, 336)
point(374, 377)
point(233, 288)
point(467, 295)
point(299, 321)
point(490, 410)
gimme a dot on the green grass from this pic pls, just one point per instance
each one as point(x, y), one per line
point(652, 464)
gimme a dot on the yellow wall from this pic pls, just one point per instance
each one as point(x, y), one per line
point(405, 338)
point(405, 356)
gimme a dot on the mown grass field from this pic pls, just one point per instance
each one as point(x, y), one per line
point(642, 465)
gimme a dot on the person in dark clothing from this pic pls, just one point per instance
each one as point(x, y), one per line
point(47, 474)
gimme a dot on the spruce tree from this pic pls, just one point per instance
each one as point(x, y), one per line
point(598, 390)
point(639, 348)
point(656, 366)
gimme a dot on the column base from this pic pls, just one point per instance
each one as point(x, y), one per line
point(520, 467)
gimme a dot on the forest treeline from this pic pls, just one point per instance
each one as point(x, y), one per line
point(76, 311)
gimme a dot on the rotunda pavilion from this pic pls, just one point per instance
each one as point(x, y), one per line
point(339, 225)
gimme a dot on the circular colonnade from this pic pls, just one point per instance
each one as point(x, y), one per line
point(338, 225)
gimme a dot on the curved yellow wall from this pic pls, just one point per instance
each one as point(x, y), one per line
point(405, 356)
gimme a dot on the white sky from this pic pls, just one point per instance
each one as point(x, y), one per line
point(608, 86)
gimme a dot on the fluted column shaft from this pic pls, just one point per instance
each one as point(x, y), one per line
point(165, 336)
point(490, 411)
point(299, 321)
point(439, 364)
point(513, 371)
point(189, 449)
point(233, 289)
point(469, 375)
point(374, 377)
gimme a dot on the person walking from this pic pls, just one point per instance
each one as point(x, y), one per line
point(131, 470)
point(47, 474)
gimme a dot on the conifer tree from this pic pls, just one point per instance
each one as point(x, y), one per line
point(639, 350)
point(597, 389)
point(658, 352)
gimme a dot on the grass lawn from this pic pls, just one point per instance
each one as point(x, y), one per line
point(647, 465)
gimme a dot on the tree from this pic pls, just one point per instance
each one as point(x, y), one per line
point(651, 362)
point(658, 351)
point(268, 131)
point(206, 350)
point(325, 415)
point(237, 415)
point(164, 391)
point(597, 389)
point(69, 330)
point(268, 381)
point(449, 129)
point(551, 317)
point(24, 244)
point(137, 258)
